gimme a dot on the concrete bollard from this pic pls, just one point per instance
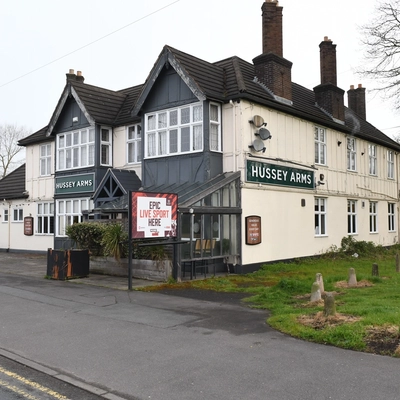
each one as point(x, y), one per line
point(320, 280)
point(375, 270)
point(329, 305)
point(352, 277)
point(315, 292)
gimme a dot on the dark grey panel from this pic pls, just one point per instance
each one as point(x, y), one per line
point(168, 91)
point(70, 110)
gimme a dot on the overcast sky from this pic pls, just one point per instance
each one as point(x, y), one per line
point(116, 43)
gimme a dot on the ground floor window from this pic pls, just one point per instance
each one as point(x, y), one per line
point(373, 216)
point(69, 211)
point(45, 218)
point(5, 215)
point(391, 217)
point(18, 215)
point(351, 217)
point(320, 217)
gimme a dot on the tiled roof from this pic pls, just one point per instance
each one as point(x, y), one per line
point(37, 137)
point(103, 105)
point(12, 186)
point(225, 80)
point(124, 115)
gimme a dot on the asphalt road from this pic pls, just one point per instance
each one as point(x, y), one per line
point(136, 345)
point(18, 381)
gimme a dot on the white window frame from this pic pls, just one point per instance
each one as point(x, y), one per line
point(390, 164)
point(174, 131)
point(45, 160)
point(69, 211)
point(391, 217)
point(45, 218)
point(373, 217)
point(18, 215)
point(372, 159)
point(351, 154)
point(106, 146)
point(352, 217)
point(5, 215)
point(215, 128)
point(134, 144)
point(76, 149)
point(320, 216)
point(320, 145)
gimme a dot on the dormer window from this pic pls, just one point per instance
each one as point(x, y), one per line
point(75, 149)
point(174, 131)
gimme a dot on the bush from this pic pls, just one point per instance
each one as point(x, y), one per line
point(115, 241)
point(87, 235)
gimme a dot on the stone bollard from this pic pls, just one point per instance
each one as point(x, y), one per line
point(397, 262)
point(375, 270)
point(352, 277)
point(315, 292)
point(329, 305)
point(320, 280)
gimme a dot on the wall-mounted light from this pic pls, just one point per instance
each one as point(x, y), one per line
point(75, 119)
point(339, 143)
point(362, 153)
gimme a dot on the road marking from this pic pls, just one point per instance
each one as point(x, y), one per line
point(17, 390)
point(35, 385)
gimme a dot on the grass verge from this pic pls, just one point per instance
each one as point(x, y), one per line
point(368, 315)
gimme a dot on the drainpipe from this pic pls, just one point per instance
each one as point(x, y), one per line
point(9, 226)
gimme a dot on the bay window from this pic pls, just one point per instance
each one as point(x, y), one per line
point(75, 149)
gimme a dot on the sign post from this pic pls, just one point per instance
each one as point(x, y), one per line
point(151, 215)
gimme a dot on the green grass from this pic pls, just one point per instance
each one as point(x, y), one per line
point(283, 288)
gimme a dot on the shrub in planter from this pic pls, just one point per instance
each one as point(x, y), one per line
point(87, 235)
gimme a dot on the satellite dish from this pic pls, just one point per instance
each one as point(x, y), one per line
point(258, 121)
point(258, 145)
point(264, 134)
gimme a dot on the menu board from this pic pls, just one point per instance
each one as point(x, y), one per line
point(253, 229)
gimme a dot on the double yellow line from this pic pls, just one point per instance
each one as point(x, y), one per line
point(30, 383)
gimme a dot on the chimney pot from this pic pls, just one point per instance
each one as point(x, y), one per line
point(360, 85)
point(71, 71)
point(351, 87)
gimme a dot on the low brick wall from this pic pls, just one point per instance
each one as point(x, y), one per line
point(159, 271)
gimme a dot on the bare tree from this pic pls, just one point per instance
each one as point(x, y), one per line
point(9, 137)
point(381, 38)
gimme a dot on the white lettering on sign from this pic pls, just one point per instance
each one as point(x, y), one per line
point(280, 175)
point(153, 216)
point(73, 184)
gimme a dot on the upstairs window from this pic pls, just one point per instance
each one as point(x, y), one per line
point(372, 159)
point(174, 131)
point(106, 146)
point(134, 144)
point(75, 149)
point(5, 215)
point(390, 164)
point(320, 146)
point(351, 154)
point(215, 127)
point(45, 160)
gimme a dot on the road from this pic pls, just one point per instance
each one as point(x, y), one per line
point(18, 381)
point(135, 345)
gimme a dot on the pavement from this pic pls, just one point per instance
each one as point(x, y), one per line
point(35, 266)
point(135, 345)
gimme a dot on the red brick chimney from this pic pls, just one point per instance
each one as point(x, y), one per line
point(356, 100)
point(271, 69)
point(327, 95)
